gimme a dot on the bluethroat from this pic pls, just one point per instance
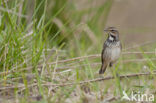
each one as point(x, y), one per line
point(111, 49)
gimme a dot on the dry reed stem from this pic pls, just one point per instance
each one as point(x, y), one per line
point(148, 42)
point(62, 68)
point(59, 24)
point(96, 55)
point(99, 63)
point(81, 82)
point(90, 33)
point(89, 56)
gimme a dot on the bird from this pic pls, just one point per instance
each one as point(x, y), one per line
point(111, 49)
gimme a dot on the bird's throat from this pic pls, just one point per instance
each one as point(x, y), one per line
point(111, 38)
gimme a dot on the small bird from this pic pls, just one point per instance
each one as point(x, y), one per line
point(111, 49)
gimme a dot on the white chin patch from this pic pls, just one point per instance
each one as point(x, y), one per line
point(111, 38)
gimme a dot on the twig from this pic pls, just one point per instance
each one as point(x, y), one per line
point(138, 60)
point(100, 79)
point(94, 56)
point(111, 99)
point(82, 82)
point(83, 57)
point(148, 42)
point(99, 63)
point(63, 68)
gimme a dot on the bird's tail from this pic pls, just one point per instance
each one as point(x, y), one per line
point(103, 69)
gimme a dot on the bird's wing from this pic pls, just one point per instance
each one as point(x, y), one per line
point(120, 46)
point(103, 53)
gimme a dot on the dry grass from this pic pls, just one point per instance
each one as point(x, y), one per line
point(50, 53)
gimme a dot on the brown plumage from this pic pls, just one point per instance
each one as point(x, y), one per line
point(111, 49)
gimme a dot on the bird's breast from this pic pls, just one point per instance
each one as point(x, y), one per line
point(113, 51)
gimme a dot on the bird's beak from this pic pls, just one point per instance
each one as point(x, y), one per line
point(105, 30)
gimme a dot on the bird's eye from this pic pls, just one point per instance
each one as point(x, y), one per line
point(112, 30)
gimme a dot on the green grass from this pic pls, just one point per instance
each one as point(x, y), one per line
point(32, 45)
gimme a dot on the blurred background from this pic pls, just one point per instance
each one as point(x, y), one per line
point(136, 19)
point(45, 44)
point(88, 18)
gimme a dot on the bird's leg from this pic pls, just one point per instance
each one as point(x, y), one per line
point(111, 64)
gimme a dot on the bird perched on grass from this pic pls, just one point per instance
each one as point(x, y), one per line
point(111, 49)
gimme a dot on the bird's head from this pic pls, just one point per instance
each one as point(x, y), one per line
point(113, 33)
